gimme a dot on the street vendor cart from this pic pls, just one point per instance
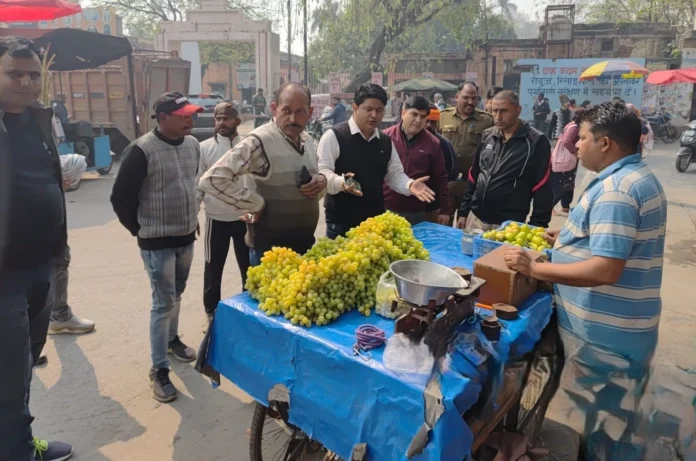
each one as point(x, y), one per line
point(320, 398)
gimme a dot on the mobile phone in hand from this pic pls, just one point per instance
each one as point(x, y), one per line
point(305, 177)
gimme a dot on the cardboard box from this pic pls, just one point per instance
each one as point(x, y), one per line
point(503, 285)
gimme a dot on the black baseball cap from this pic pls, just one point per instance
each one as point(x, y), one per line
point(175, 103)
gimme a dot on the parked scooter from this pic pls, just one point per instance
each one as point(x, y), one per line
point(687, 149)
point(662, 128)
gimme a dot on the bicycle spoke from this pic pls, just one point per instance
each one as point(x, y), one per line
point(272, 437)
point(284, 447)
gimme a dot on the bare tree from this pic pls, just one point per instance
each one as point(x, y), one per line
point(398, 16)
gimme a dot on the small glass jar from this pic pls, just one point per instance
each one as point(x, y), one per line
point(468, 241)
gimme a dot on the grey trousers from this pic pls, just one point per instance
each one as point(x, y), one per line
point(61, 312)
point(25, 299)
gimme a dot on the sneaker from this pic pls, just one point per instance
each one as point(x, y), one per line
point(75, 325)
point(162, 388)
point(51, 451)
point(181, 351)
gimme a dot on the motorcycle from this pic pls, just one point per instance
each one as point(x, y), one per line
point(261, 119)
point(316, 129)
point(662, 127)
point(687, 147)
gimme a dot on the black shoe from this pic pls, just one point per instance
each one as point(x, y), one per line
point(181, 351)
point(162, 388)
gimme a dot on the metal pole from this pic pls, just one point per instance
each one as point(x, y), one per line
point(133, 102)
point(289, 41)
point(306, 63)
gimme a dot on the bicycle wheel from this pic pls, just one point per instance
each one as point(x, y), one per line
point(541, 386)
point(273, 438)
point(542, 382)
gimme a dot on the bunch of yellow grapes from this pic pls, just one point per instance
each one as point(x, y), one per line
point(334, 276)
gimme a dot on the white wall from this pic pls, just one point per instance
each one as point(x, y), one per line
point(190, 52)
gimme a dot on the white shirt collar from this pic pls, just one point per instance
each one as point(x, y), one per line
point(354, 129)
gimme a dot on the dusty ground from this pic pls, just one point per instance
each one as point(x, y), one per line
point(94, 392)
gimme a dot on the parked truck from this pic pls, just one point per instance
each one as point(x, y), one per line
point(120, 100)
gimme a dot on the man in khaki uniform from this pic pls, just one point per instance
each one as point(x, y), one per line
point(462, 126)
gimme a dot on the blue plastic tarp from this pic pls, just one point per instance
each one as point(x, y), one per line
point(341, 399)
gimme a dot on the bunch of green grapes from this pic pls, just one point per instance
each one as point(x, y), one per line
point(334, 276)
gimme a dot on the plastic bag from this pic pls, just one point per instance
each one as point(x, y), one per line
point(73, 165)
point(385, 294)
point(403, 356)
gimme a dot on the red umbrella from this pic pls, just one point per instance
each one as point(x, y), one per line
point(36, 10)
point(664, 77)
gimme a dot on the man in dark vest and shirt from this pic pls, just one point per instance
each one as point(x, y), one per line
point(358, 149)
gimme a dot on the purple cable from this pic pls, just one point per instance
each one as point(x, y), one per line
point(369, 337)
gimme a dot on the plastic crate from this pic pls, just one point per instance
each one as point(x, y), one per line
point(484, 246)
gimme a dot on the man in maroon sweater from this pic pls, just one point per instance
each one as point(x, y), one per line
point(421, 156)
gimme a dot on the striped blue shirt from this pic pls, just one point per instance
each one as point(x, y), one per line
point(622, 214)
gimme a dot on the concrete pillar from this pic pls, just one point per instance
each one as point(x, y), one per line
point(190, 52)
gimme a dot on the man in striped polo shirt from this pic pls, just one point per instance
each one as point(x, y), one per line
point(607, 267)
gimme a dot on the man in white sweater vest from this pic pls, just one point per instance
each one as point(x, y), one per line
point(222, 221)
point(282, 209)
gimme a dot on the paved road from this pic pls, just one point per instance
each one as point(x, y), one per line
point(94, 393)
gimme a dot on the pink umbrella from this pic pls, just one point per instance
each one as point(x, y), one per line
point(36, 10)
point(664, 77)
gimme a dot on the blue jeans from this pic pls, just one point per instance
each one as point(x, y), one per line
point(25, 310)
point(168, 270)
point(334, 230)
point(255, 257)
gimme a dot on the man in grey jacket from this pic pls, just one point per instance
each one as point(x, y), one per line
point(154, 197)
point(32, 234)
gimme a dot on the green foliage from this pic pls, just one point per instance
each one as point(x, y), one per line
point(344, 42)
point(677, 12)
point(141, 18)
point(672, 50)
point(226, 52)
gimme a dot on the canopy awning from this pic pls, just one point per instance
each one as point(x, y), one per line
point(665, 77)
point(76, 49)
point(36, 10)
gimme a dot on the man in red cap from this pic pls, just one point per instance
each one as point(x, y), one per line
point(154, 197)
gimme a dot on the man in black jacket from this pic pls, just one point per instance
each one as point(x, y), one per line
point(541, 110)
point(33, 234)
point(511, 169)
